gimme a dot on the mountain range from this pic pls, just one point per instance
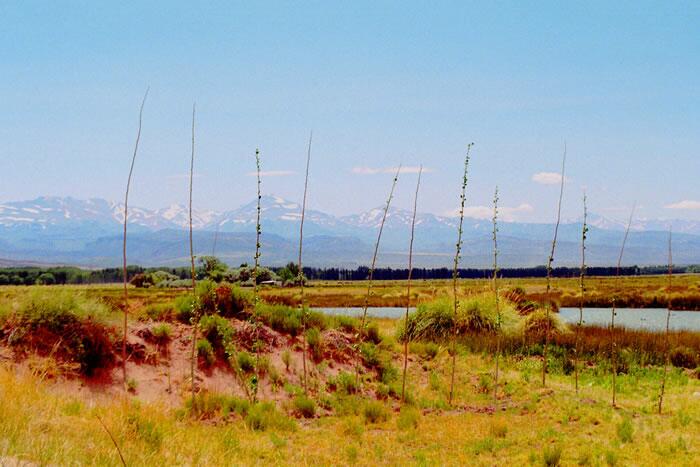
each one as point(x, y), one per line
point(55, 230)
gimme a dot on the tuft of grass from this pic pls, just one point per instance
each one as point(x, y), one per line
point(374, 412)
point(304, 406)
point(625, 431)
point(408, 419)
point(551, 455)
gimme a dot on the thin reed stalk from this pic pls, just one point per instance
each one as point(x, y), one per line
point(300, 275)
point(408, 286)
point(114, 441)
point(126, 215)
point(550, 260)
point(370, 277)
point(668, 319)
point(613, 313)
point(582, 289)
point(256, 297)
point(363, 323)
point(195, 317)
point(495, 292)
point(455, 269)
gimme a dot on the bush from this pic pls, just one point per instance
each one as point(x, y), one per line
point(536, 324)
point(160, 312)
point(304, 406)
point(161, 333)
point(372, 333)
point(246, 362)
point(434, 321)
point(346, 323)
point(65, 324)
point(205, 352)
point(184, 308)
point(315, 343)
point(232, 301)
point(374, 412)
point(264, 416)
point(684, 357)
point(344, 382)
point(408, 418)
point(218, 331)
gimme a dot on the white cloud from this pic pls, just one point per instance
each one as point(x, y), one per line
point(486, 212)
point(408, 169)
point(685, 204)
point(272, 173)
point(548, 178)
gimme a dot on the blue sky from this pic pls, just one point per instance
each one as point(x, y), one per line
point(380, 83)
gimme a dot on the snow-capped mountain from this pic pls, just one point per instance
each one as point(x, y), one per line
point(88, 232)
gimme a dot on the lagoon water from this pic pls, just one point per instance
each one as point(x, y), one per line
point(651, 319)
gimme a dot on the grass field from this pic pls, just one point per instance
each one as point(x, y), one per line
point(51, 414)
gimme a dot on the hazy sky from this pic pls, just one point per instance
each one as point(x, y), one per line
point(380, 83)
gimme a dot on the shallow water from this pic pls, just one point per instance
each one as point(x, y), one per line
point(652, 319)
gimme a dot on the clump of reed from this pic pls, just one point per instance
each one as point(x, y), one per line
point(435, 321)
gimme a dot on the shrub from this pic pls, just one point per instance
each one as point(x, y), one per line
point(434, 321)
point(263, 416)
point(286, 359)
point(536, 324)
point(246, 362)
point(232, 300)
point(218, 331)
point(304, 406)
point(184, 308)
point(684, 357)
point(67, 325)
point(160, 312)
point(374, 412)
point(344, 382)
point(346, 323)
point(372, 333)
point(205, 352)
point(161, 333)
point(408, 418)
point(315, 343)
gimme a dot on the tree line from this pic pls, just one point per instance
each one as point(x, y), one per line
point(73, 275)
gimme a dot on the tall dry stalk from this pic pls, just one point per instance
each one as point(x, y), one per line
point(550, 260)
point(408, 287)
point(668, 318)
point(114, 441)
point(495, 292)
point(126, 215)
point(256, 297)
point(300, 274)
point(376, 251)
point(363, 324)
point(613, 313)
point(195, 307)
point(455, 270)
point(582, 289)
